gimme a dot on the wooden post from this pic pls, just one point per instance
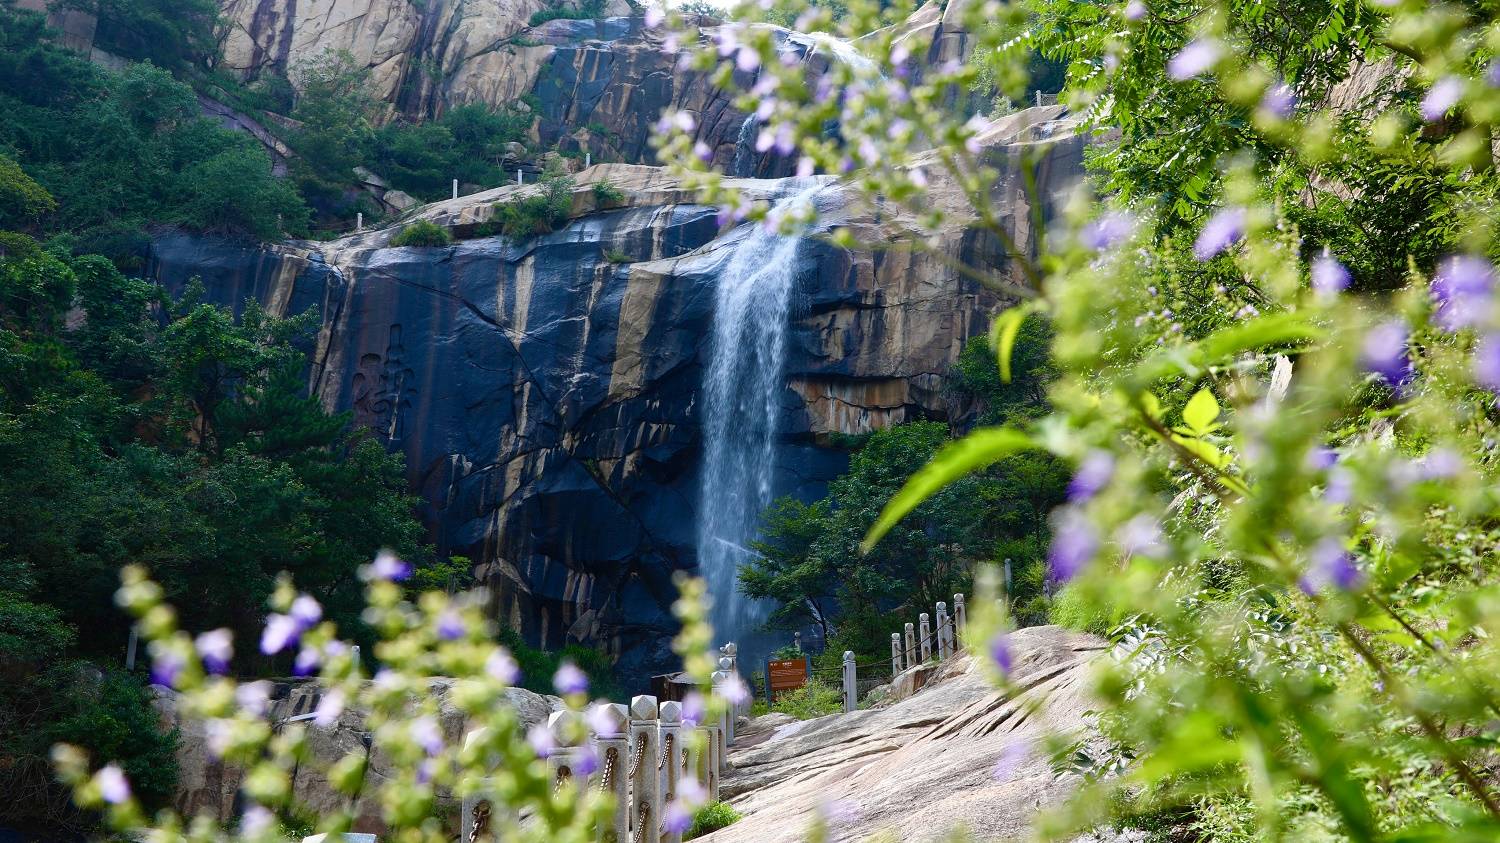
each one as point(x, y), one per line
point(911, 646)
point(645, 775)
point(895, 654)
point(960, 620)
point(926, 640)
point(673, 757)
point(614, 775)
point(943, 630)
point(850, 686)
point(455, 188)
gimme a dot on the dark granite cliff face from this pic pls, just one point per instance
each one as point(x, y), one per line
point(546, 397)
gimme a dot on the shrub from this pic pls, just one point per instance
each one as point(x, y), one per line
point(22, 200)
point(606, 194)
point(712, 817)
point(586, 10)
point(617, 256)
point(539, 213)
point(814, 699)
point(423, 233)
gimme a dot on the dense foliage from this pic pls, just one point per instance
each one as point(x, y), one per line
point(120, 150)
point(135, 428)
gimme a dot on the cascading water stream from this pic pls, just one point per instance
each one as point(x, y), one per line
point(741, 414)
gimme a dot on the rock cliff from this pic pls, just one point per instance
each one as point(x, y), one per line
point(545, 392)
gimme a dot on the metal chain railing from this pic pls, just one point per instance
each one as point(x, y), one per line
point(611, 759)
point(666, 751)
point(640, 756)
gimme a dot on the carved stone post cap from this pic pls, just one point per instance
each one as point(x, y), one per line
point(923, 616)
point(730, 649)
point(643, 707)
point(726, 663)
point(895, 637)
point(671, 712)
point(909, 628)
point(848, 656)
point(942, 607)
point(567, 727)
point(958, 599)
point(720, 676)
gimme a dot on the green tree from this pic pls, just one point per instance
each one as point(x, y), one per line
point(336, 110)
point(22, 200)
point(787, 571)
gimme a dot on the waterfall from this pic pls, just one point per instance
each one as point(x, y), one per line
point(741, 411)
point(744, 148)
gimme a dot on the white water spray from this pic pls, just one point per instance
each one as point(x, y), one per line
point(742, 390)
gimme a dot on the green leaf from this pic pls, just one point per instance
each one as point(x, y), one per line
point(975, 451)
point(1200, 412)
point(1003, 336)
point(1227, 343)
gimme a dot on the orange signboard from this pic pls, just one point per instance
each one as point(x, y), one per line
point(786, 674)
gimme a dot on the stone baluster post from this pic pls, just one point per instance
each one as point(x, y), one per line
point(797, 641)
point(851, 686)
point(726, 667)
point(895, 654)
point(911, 646)
point(359, 222)
point(645, 771)
point(733, 652)
point(943, 629)
point(455, 188)
point(613, 745)
point(478, 820)
point(588, 160)
point(706, 761)
point(568, 731)
point(926, 640)
point(673, 757)
point(960, 620)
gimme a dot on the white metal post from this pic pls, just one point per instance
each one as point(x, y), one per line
point(849, 682)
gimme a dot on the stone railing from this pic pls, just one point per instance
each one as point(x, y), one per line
point(640, 753)
point(919, 644)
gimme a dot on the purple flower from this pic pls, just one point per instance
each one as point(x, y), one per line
point(655, 16)
point(1321, 459)
point(253, 698)
point(306, 612)
point(1329, 564)
point(839, 813)
point(1140, 536)
point(387, 566)
point(1340, 486)
point(676, 818)
point(694, 708)
point(166, 666)
point(256, 821)
point(1462, 287)
point(1329, 277)
point(113, 787)
point(425, 732)
point(1441, 464)
point(1487, 362)
point(1384, 352)
point(1092, 476)
point(502, 667)
point(450, 626)
point(1279, 100)
point(1442, 96)
point(805, 167)
point(691, 791)
point(1073, 545)
point(786, 141)
point(734, 690)
point(1135, 10)
point(747, 59)
point(330, 706)
point(1108, 231)
point(280, 632)
point(1197, 58)
point(216, 647)
point(425, 771)
point(602, 720)
point(1010, 760)
point(307, 662)
point(1222, 230)
point(1000, 652)
point(586, 762)
point(569, 680)
point(541, 740)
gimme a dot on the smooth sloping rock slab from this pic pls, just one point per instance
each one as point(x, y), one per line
point(925, 765)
